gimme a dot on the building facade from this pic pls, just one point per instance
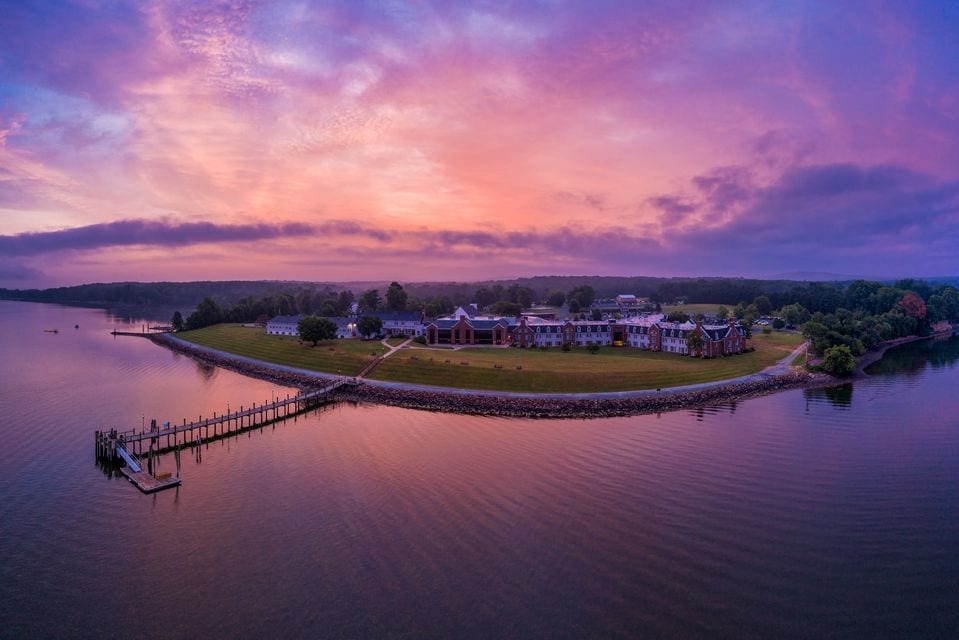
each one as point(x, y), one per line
point(289, 326)
point(400, 323)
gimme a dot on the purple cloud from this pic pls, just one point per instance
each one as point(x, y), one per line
point(828, 215)
point(143, 232)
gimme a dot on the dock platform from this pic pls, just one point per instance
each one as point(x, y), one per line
point(147, 483)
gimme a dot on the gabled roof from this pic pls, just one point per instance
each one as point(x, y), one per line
point(287, 319)
point(716, 333)
point(469, 310)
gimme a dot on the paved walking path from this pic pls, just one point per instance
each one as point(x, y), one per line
point(393, 349)
point(779, 368)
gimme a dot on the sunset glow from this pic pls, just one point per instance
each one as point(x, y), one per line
point(165, 140)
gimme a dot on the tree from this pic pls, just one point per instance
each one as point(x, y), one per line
point(329, 308)
point(555, 298)
point(859, 292)
point(763, 305)
point(694, 342)
point(314, 329)
point(596, 314)
point(369, 326)
point(305, 302)
point(747, 324)
point(283, 304)
point(396, 297)
point(583, 294)
point(839, 361)
point(779, 323)
point(439, 306)
point(177, 321)
point(484, 297)
point(913, 306)
point(722, 313)
point(574, 306)
point(207, 312)
point(795, 314)
point(504, 308)
point(885, 299)
point(677, 316)
point(524, 297)
point(343, 302)
point(370, 300)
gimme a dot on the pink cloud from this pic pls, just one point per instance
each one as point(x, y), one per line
point(472, 130)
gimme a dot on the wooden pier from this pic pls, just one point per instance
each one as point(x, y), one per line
point(127, 447)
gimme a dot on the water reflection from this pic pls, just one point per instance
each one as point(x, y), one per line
point(839, 396)
point(913, 358)
point(714, 409)
point(207, 371)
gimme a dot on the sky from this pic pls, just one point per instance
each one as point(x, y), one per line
point(333, 141)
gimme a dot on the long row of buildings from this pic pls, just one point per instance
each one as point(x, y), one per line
point(467, 326)
point(651, 332)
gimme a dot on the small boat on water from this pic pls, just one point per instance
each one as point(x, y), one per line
point(51, 331)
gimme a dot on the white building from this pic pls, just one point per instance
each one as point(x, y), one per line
point(289, 326)
point(401, 323)
point(284, 325)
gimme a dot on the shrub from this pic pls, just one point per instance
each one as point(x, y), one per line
point(420, 339)
point(566, 347)
point(839, 361)
point(593, 348)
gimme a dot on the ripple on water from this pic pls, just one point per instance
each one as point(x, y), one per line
point(824, 512)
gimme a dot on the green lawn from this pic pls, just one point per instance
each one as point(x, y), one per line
point(334, 356)
point(693, 309)
point(397, 340)
point(611, 369)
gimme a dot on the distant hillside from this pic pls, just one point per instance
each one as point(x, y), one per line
point(150, 294)
point(187, 295)
point(816, 276)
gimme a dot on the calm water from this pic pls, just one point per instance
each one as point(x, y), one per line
point(827, 513)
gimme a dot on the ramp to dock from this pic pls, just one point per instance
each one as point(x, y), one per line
point(130, 460)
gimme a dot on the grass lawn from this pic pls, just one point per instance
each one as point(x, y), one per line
point(611, 369)
point(334, 356)
point(693, 309)
point(396, 341)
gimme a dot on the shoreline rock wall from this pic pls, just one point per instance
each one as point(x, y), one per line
point(464, 402)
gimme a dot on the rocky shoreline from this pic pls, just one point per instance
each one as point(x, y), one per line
point(463, 402)
point(457, 401)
